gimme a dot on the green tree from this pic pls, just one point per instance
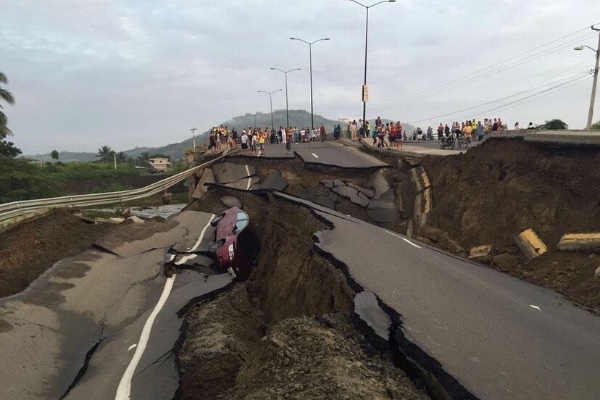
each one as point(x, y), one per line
point(54, 155)
point(105, 153)
point(6, 148)
point(22, 179)
point(121, 157)
point(596, 126)
point(554, 125)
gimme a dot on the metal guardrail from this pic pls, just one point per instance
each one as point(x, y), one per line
point(17, 211)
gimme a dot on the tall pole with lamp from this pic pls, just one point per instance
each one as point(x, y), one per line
point(365, 89)
point(193, 130)
point(287, 108)
point(312, 113)
point(271, 103)
point(595, 82)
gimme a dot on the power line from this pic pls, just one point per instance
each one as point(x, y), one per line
point(474, 78)
point(532, 54)
point(554, 86)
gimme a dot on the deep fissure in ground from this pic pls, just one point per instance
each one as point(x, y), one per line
point(287, 331)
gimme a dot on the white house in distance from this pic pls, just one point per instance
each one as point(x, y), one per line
point(160, 163)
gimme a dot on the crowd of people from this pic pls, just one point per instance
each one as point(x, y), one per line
point(253, 140)
point(390, 134)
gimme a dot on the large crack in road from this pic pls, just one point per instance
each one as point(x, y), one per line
point(244, 344)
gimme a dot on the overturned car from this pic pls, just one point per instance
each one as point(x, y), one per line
point(235, 247)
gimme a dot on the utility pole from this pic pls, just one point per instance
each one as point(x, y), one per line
point(593, 98)
point(115, 158)
point(193, 130)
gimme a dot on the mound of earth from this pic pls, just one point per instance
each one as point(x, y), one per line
point(492, 192)
point(30, 248)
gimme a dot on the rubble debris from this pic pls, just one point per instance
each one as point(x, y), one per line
point(530, 244)
point(579, 242)
point(208, 176)
point(480, 251)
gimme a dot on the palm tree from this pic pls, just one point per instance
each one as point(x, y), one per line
point(7, 97)
point(105, 153)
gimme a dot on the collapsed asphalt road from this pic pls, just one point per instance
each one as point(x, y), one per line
point(84, 329)
point(456, 329)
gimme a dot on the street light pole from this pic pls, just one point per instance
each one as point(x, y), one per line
point(312, 114)
point(193, 130)
point(287, 109)
point(271, 103)
point(365, 90)
point(595, 82)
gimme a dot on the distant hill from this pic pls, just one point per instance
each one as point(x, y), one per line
point(299, 118)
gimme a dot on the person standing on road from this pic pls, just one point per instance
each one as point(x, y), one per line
point(480, 131)
point(322, 133)
point(244, 140)
point(336, 132)
point(262, 136)
point(254, 141)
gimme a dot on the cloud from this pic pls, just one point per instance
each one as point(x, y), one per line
point(126, 73)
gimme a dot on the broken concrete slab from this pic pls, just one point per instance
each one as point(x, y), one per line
point(579, 242)
point(231, 173)
point(231, 201)
point(480, 251)
point(369, 193)
point(378, 183)
point(597, 273)
point(208, 177)
point(352, 194)
point(244, 184)
point(388, 196)
point(180, 232)
point(193, 260)
point(325, 201)
point(382, 212)
point(328, 184)
point(273, 182)
point(530, 244)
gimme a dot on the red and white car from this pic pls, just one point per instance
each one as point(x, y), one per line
point(235, 247)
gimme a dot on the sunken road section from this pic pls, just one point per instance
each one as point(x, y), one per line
point(287, 331)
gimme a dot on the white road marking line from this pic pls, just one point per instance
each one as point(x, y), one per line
point(411, 243)
point(184, 259)
point(316, 156)
point(133, 346)
point(536, 307)
point(124, 389)
point(249, 178)
point(406, 240)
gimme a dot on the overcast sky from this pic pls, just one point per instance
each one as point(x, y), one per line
point(127, 73)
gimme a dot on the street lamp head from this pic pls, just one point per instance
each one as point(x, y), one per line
point(578, 48)
point(392, 1)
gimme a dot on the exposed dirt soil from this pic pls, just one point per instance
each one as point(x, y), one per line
point(285, 332)
point(493, 192)
point(29, 249)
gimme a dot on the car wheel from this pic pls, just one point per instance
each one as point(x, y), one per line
point(214, 246)
point(216, 220)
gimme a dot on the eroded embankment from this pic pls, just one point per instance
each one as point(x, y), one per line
point(286, 332)
point(503, 187)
